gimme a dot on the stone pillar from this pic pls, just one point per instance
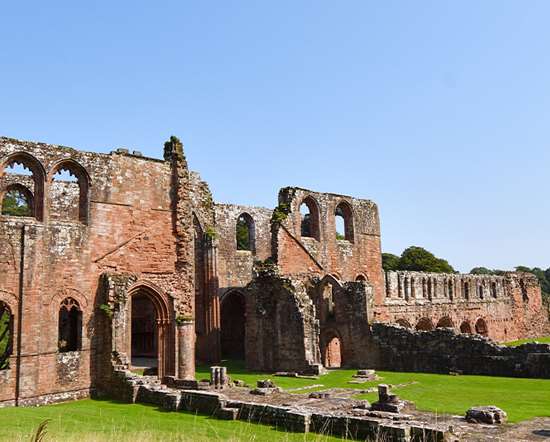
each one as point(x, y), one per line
point(186, 350)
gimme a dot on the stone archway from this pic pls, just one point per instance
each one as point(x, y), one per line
point(466, 328)
point(332, 353)
point(151, 334)
point(481, 327)
point(233, 326)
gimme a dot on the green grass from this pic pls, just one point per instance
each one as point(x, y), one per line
point(521, 398)
point(541, 340)
point(101, 421)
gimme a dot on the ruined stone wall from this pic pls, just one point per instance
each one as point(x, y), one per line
point(129, 227)
point(504, 308)
point(282, 332)
point(235, 266)
point(444, 351)
point(321, 253)
point(342, 310)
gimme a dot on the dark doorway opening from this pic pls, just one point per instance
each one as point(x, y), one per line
point(233, 320)
point(144, 334)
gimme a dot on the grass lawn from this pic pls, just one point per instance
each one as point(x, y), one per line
point(542, 340)
point(521, 398)
point(101, 421)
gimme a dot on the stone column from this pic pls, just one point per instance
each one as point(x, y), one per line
point(186, 353)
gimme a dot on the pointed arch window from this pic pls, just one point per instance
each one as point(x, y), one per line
point(309, 218)
point(69, 192)
point(245, 234)
point(70, 326)
point(343, 219)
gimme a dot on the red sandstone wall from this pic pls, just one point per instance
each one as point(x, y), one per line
point(130, 229)
point(345, 259)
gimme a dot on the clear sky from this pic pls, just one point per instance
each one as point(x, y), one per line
point(438, 111)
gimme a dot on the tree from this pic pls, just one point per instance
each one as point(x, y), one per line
point(15, 203)
point(482, 271)
point(390, 262)
point(420, 260)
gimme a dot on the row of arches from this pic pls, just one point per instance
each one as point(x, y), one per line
point(426, 287)
point(24, 183)
point(310, 220)
point(426, 324)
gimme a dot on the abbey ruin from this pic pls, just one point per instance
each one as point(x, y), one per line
point(127, 258)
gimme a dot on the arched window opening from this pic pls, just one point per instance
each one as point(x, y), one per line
point(69, 193)
point(481, 327)
point(445, 322)
point(361, 278)
point(480, 290)
point(22, 187)
point(466, 328)
point(328, 307)
point(425, 324)
point(343, 218)
point(17, 201)
point(70, 326)
point(450, 288)
point(403, 323)
point(333, 353)
point(245, 232)
point(6, 335)
point(523, 287)
point(309, 219)
point(494, 292)
point(466, 290)
point(233, 326)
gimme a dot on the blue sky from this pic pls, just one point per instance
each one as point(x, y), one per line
point(438, 111)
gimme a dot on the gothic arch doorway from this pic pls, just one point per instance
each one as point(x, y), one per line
point(151, 332)
point(332, 354)
point(233, 326)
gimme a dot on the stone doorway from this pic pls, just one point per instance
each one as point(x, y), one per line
point(144, 346)
point(233, 322)
point(333, 353)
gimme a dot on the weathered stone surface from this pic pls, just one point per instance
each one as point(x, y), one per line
point(486, 415)
point(129, 226)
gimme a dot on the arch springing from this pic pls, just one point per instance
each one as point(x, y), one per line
point(70, 326)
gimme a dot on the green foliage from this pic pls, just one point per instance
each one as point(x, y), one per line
point(390, 262)
point(416, 259)
point(111, 421)
point(482, 271)
point(243, 235)
point(5, 337)
point(541, 340)
point(210, 233)
point(339, 236)
point(15, 204)
point(173, 147)
point(106, 308)
point(182, 319)
point(280, 213)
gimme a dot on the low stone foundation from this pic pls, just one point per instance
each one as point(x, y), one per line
point(444, 351)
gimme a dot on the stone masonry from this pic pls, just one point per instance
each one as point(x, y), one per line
point(129, 237)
